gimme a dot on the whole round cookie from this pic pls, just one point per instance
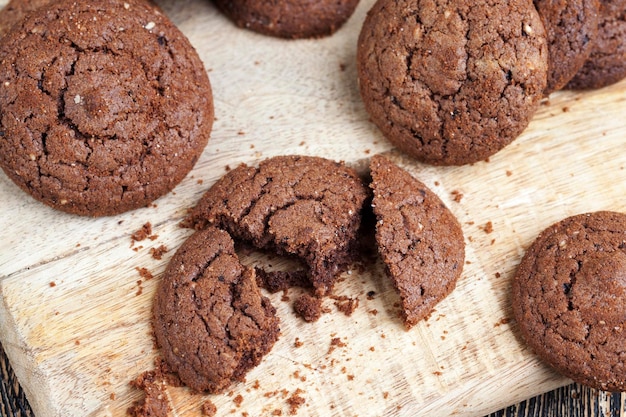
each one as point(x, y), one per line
point(305, 206)
point(451, 82)
point(569, 298)
point(418, 238)
point(210, 320)
point(105, 105)
point(571, 27)
point(289, 18)
point(607, 63)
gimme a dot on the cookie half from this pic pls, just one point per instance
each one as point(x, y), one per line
point(210, 320)
point(571, 27)
point(418, 238)
point(106, 106)
point(607, 63)
point(569, 298)
point(452, 82)
point(289, 18)
point(305, 206)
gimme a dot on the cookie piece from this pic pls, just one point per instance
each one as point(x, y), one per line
point(106, 106)
point(607, 63)
point(210, 319)
point(419, 239)
point(451, 82)
point(571, 27)
point(289, 18)
point(568, 298)
point(305, 206)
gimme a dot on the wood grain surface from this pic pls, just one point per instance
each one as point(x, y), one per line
point(75, 311)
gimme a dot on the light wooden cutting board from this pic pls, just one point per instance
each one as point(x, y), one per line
point(75, 321)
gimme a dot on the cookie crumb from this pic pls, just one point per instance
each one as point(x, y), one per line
point(488, 227)
point(209, 409)
point(157, 253)
point(308, 307)
point(345, 304)
point(52, 284)
point(457, 196)
point(295, 401)
point(155, 403)
point(144, 273)
point(335, 342)
point(504, 320)
point(141, 234)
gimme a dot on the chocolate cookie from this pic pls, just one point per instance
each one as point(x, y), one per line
point(210, 319)
point(571, 27)
point(607, 63)
point(289, 18)
point(305, 206)
point(569, 298)
point(419, 239)
point(451, 82)
point(15, 10)
point(105, 105)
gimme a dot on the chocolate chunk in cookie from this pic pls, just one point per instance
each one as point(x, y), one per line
point(419, 239)
point(105, 105)
point(607, 63)
point(571, 27)
point(289, 18)
point(569, 298)
point(210, 319)
point(452, 82)
point(305, 206)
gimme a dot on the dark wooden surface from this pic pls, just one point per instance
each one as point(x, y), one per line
point(570, 401)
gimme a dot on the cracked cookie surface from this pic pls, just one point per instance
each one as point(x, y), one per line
point(452, 82)
point(607, 63)
point(105, 105)
point(289, 18)
point(419, 239)
point(210, 319)
point(571, 27)
point(305, 206)
point(569, 298)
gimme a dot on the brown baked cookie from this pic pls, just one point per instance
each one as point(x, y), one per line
point(607, 63)
point(569, 298)
point(305, 206)
point(571, 27)
point(451, 82)
point(105, 105)
point(210, 319)
point(289, 18)
point(15, 10)
point(419, 239)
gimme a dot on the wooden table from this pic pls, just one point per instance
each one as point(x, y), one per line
point(571, 400)
point(75, 312)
